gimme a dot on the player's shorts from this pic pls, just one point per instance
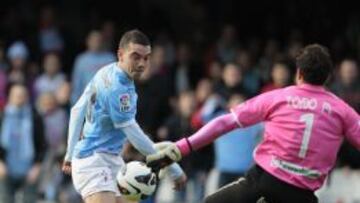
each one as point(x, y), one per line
point(96, 173)
point(258, 186)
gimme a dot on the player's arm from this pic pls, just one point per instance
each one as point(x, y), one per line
point(352, 127)
point(77, 116)
point(123, 116)
point(145, 145)
point(252, 111)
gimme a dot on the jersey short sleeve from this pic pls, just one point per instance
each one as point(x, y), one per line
point(122, 107)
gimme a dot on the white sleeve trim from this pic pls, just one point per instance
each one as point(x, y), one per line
point(236, 118)
point(124, 124)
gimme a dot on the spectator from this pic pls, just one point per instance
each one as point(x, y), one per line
point(163, 40)
point(55, 123)
point(108, 33)
point(49, 36)
point(293, 48)
point(215, 71)
point(177, 126)
point(185, 73)
point(22, 147)
point(88, 63)
point(63, 96)
point(232, 82)
point(203, 92)
point(265, 63)
point(52, 79)
point(240, 142)
point(227, 45)
point(18, 56)
point(251, 80)
point(280, 77)
point(347, 85)
point(158, 60)
point(153, 107)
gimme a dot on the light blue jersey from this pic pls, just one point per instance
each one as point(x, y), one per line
point(110, 104)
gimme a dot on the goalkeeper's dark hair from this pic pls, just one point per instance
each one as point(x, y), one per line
point(314, 63)
point(134, 36)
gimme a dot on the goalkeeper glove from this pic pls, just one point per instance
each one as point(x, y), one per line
point(167, 154)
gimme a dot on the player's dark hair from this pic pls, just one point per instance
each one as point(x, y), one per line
point(314, 63)
point(134, 36)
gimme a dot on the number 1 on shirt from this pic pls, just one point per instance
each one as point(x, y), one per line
point(308, 119)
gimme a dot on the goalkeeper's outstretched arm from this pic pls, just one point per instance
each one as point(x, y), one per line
point(207, 134)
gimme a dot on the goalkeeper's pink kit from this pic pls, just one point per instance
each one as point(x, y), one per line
point(304, 128)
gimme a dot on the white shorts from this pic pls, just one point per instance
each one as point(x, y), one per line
point(96, 173)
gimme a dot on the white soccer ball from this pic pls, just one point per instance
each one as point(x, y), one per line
point(136, 181)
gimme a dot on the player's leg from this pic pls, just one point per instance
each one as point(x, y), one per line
point(100, 197)
point(121, 200)
point(243, 190)
point(277, 191)
point(95, 178)
point(237, 192)
point(106, 197)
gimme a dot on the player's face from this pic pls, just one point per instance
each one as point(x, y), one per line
point(135, 59)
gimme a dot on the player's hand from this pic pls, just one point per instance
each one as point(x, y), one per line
point(180, 182)
point(167, 154)
point(160, 146)
point(66, 167)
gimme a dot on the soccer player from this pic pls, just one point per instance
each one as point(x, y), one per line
point(304, 128)
point(108, 105)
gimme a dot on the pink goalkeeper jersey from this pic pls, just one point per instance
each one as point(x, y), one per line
point(304, 128)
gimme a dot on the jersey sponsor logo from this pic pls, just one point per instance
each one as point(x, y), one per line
point(125, 103)
point(295, 169)
point(297, 102)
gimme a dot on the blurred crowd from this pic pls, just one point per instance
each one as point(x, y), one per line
point(187, 85)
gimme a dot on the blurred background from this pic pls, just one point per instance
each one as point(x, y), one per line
point(207, 56)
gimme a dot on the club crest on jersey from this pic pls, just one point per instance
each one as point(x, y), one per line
point(125, 103)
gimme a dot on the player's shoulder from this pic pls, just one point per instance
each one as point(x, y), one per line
point(117, 79)
point(104, 76)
